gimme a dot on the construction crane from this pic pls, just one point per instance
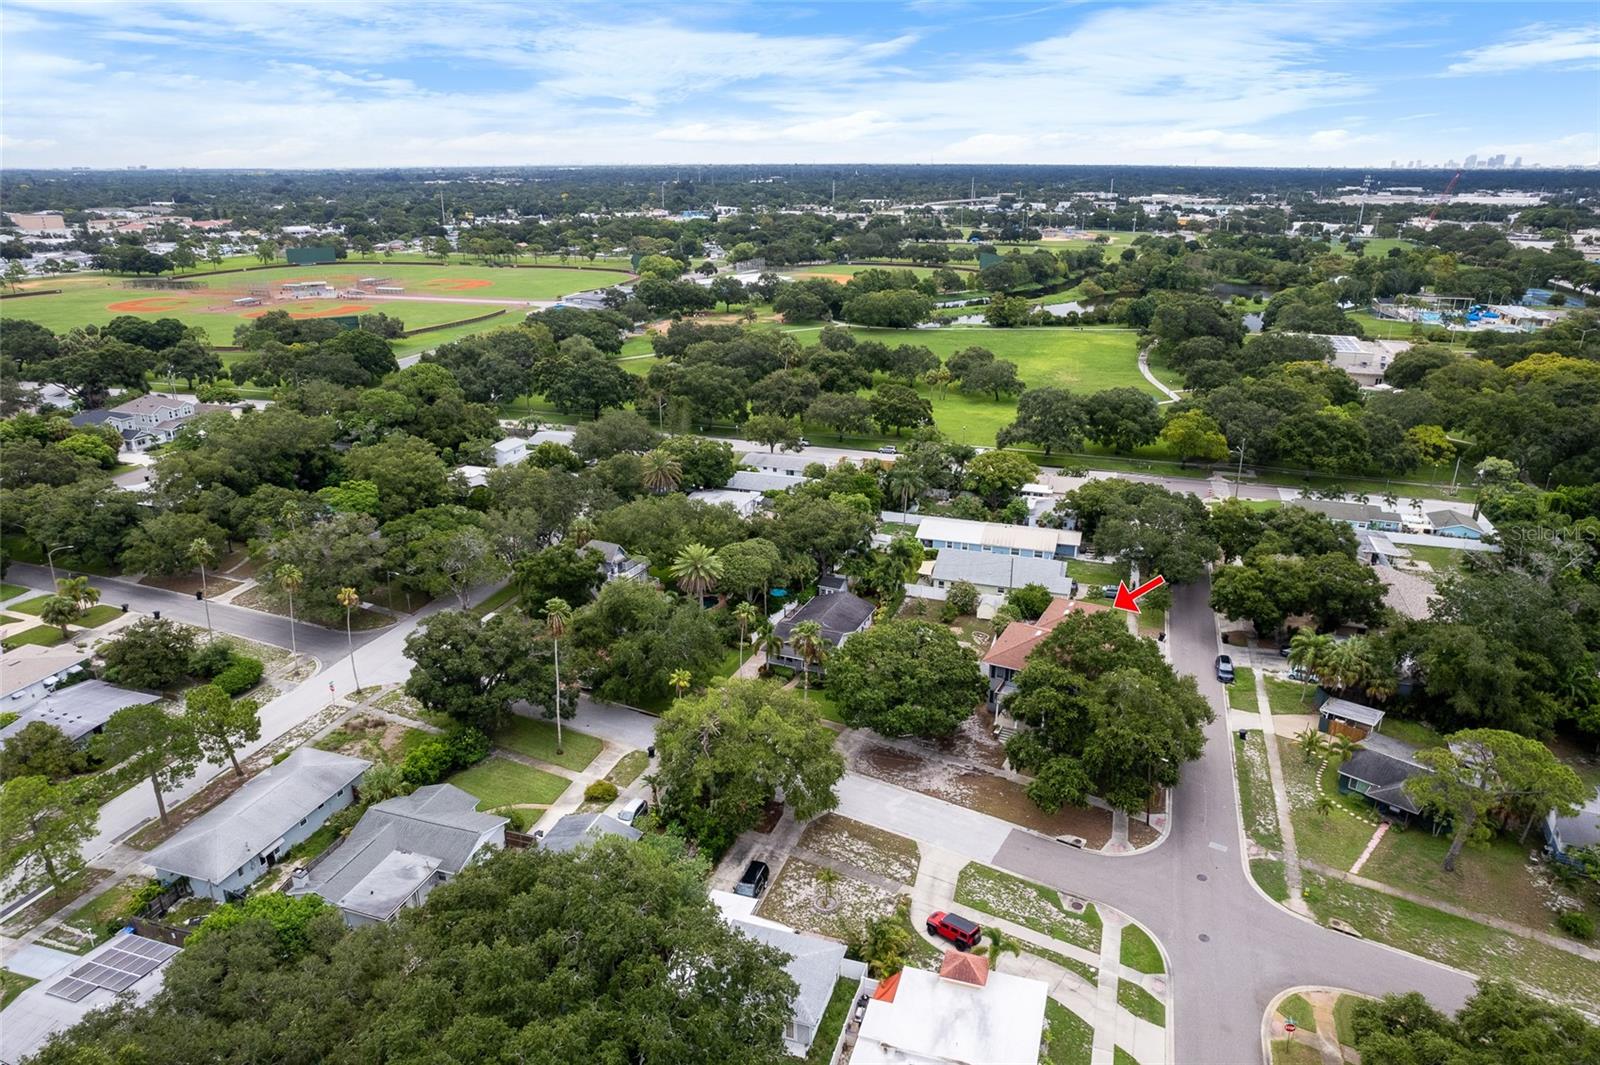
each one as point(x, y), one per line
point(1444, 197)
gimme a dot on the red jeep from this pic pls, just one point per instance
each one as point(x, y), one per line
point(957, 929)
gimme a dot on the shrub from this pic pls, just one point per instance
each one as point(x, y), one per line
point(1576, 924)
point(209, 659)
point(151, 654)
point(600, 791)
point(430, 762)
point(241, 676)
point(963, 597)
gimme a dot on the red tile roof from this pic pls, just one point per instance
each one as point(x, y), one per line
point(964, 968)
point(886, 990)
point(1019, 639)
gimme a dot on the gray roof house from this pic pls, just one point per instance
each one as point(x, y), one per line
point(399, 851)
point(222, 852)
point(814, 965)
point(575, 830)
point(997, 573)
point(755, 481)
point(1582, 829)
point(1378, 770)
point(1357, 515)
point(618, 564)
point(1455, 523)
point(841, 615)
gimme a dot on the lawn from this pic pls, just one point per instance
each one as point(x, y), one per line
point(1455, 940)
point(537, 739)
point(1415, 732)
point(42, 635)
point(114, 903)
point(1141, 1003)
point(1069, 1038)
point(853, 843)
point(500, 782)
point(1122, 1057)
point(628, 768)
point(495, 601)
point(1140, 952)
point(1441, 560)
point(1089, 973)
point(1297, 1009)
point(11, 591)
point(832, 1023)
point(1033, 905)
point(1269, 877)
point(96, 616)
point(1288, 696)
point(1344, 1022)
point(1338, 838)
point(797, 898)
point(34, 606)
point(1293, 1052)
point(1255, 793)
point(13, 984)
point(1242, 692)
point(1095, 574)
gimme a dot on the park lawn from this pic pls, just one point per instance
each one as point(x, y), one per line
point(41, 635)
point(537, 739)
point(33, 607)
point(1288, 696)
point(96, 616)
point(1453, 940)
point(1256, 803)
point(1338, 838)
point(1070, 1038)
point(1493, 879)
point(1242, 692)
point(11, 591)
point(628, 768)
point(1140, 952)
point(497, 782)
point(1141, 1003)
point(852, 269)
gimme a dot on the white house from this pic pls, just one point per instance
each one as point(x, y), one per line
point(399, 851)
point(963, 1013)
point(782, 463)
point(743, 503)
point(510, 451)
point(996, 538)
point(616, 562)
point(143, 422)
point(222, 852)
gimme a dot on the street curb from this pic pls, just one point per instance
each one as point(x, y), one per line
point(1272, 1007)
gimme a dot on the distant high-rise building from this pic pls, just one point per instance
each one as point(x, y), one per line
point(1497, 161)
point(1472, 161)
point(1517, 162)
point(1393, 165)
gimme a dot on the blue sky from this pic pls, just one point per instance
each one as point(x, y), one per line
point(293, 84)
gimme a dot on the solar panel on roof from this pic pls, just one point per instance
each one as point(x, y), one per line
point(70, 989)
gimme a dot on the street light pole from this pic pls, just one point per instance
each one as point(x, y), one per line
point(1239, 475)
point(50, 559)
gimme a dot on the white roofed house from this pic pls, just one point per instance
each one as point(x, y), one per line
point(510, 451)
point(222, 852)
point(399, 851)
point(963, 1013)
point(782, 463)
point(997, 574)
point(996, 538)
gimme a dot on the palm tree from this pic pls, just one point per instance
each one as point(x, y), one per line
point(348, 599)
point(1350, 664)
point(747, 616)
point(78, 589)
point(291, 580)
point(771, 645)
point(581, 531)
point(680, 681)
point(60, 610)
point(903, 482)
point(1341, 747)
point(697, 570)
point(940, 378)
point(812, 647)
point(827, 878)
point(556, 615)
point(662, 472)
point(1308, 652)
point(1310, 743)
point(1324, 804)
point(201, 552)
point(999, 943)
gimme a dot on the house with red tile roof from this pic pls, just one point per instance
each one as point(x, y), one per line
point(1010, 650)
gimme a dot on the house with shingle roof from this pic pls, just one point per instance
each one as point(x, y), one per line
point(223, 851)
point(841, 615)
point(400, 850)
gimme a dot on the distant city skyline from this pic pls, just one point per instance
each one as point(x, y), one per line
point(299, 84)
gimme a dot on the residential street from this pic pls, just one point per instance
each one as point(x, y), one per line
point(321, 643)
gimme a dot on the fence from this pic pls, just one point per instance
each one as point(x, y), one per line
point(31, 292)
point(451, 325)
point(519, 841)
point(162, 933)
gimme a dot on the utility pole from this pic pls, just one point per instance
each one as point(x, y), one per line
point(441, 207)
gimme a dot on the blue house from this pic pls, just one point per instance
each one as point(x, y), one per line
point(1455, 523)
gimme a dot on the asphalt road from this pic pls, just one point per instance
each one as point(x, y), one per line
point(1231, 949)
point(322, 643)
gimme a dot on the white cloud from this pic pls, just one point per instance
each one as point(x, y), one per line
point(1533, 46)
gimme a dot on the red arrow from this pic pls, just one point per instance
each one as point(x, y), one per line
point(1129, 601)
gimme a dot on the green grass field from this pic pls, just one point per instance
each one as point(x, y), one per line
point(499, 782)
point(43, 635)
point(841, 270)
point(537, 739)
point(96, 299)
